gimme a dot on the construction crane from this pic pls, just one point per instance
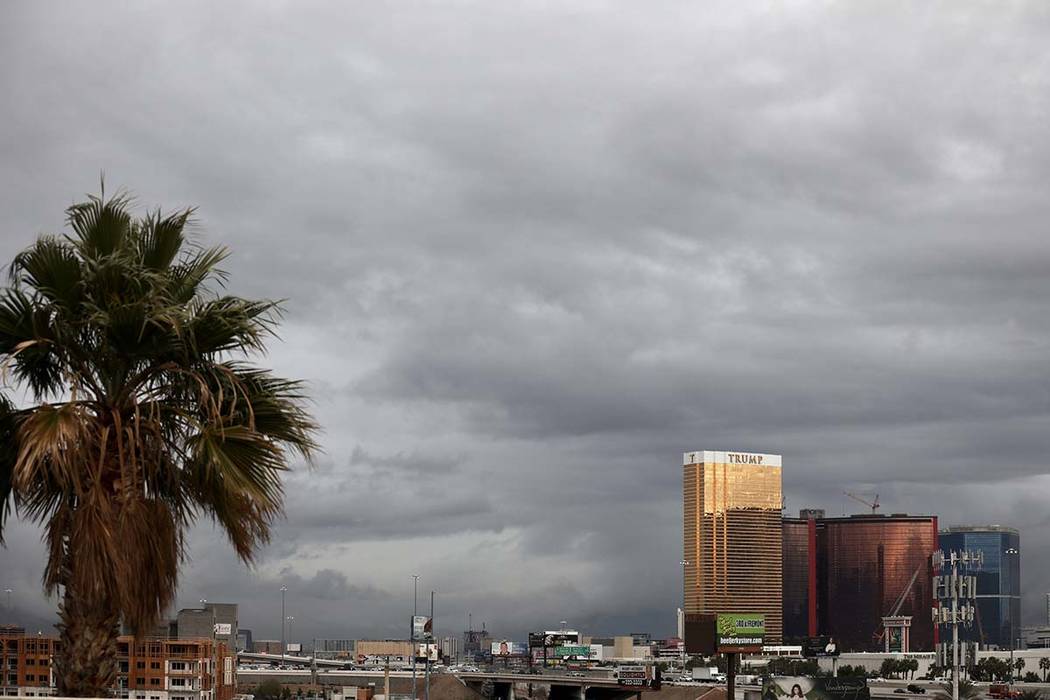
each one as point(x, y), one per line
point(880, 631)
point(873, 504)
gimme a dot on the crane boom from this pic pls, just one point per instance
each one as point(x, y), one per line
point(880, 631)
point(873, 504)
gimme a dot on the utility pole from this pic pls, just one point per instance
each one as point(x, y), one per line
point(959, 590)
point(284, 589)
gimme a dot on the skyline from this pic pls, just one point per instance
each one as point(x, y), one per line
point(534, 253)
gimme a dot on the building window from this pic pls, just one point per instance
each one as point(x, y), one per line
point(140, 681)
point(154, 681)
point(140, 664)
point(154, 664)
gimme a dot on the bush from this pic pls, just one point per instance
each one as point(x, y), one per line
point(271, 690)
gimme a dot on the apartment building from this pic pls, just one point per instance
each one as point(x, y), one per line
point(149, 669)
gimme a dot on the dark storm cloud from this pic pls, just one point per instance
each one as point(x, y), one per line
point(535, 252)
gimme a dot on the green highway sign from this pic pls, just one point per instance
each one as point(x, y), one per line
point(572, 650)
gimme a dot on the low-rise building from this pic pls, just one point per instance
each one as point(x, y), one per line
point(213, 621)
point(149, 669)
point(267, 646)
point(450, 647)
point(334, 648)
point(244, 639)
point(1036, 637)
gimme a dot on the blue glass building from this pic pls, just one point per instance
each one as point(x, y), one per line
point(998, 621)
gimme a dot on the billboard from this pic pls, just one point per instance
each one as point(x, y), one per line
point(428, 652)
point(740, 632)
point(552, 639)
point(422, 627)
point(816, 647)
point(804, 688)
point(700, 634)
point(294, 648)
point(639, 677)
point(505, 648)
point(223, 628)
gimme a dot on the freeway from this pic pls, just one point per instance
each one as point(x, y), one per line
point(560, 678)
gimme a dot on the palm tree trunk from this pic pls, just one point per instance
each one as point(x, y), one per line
point(86, 663)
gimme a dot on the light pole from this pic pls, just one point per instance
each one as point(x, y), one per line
point(1013, 636)
point(284, 589)
point(681, 620)
point(428, 642)
point(412, 633)
point(8, 591)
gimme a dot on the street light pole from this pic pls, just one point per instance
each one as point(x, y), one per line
point(429, 642)
point(284, 589)
point(412, 633)
point(1011, 551)
point(681, 620)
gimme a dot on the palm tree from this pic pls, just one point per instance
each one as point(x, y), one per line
point(1019, 665)
point(1044, 666)
point(967, 690)
point(142, 416)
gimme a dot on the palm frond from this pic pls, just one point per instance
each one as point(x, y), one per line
point(51, 267)
point(229, 324)
point(187, 277)
point(8, 457)
point(101, 225)
point(148, 564)
point(55, 446)
point(162, 238)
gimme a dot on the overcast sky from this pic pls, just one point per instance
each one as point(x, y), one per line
point(534, 251)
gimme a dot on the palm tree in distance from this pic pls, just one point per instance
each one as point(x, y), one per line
point(1044, 666)
point(967, 690)
point(142, 415)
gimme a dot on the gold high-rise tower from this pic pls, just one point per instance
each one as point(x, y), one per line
point(733, 539)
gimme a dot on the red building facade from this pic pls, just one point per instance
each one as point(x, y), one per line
point(843, 575)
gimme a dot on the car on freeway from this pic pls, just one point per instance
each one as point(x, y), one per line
point(916, 689)
point(577, 674)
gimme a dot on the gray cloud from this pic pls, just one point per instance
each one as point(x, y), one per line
point(533, 253)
